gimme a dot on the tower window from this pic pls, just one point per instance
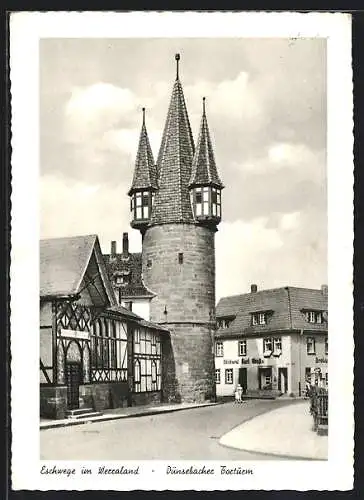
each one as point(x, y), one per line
point(180, 258)
point(149, 263)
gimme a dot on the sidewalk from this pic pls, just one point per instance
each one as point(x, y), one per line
point(117, 413)
point(285, 432)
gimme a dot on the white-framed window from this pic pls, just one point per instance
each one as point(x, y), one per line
point(229, 376)
point(268, 379)
point(119, 279)
point(259, 318)
point(242, 347)
point(140, 204)
point(217, 376)
point(277, 346)
point(206, 201)
point(219, 349)
point(311, 347)
point(267, 346)
point(314, 317)
point(326, 345)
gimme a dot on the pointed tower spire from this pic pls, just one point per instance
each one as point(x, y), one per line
point(205, 184)
point(174, 164)
point(144, 182)
point(145, 174)
point(204, 169)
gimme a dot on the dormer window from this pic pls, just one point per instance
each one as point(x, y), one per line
point(119, 280)
point(314, 317)
point(223, 322)
point(259, 318)
point(206, 202)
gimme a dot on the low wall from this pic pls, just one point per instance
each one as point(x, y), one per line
point(104, 396)
point(53, 401)
point(145, 398)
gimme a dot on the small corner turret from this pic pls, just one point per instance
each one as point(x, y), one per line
point(144, 183)
point(205, 185)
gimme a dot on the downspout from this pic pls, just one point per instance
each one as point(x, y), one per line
point(299, 341)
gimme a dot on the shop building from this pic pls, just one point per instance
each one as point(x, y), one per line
point(271, 340)
point(94, 353)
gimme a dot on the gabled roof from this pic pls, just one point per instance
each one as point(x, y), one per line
point(174, 164)
point(204, 171)
point(145, 172)
point(64, 264)
point(286, 306)
point(130, 266)
point(123, 311)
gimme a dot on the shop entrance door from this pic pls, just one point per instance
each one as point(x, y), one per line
point(265, 378)
point(73, 381)
point(282, 380)
point(243, 379)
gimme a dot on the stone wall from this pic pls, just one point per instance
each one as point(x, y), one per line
point(53, 401)
point(184, 303)
point(186, 291)
point(146, 398)
point(104, 396)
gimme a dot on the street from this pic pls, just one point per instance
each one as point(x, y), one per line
point(183, 435)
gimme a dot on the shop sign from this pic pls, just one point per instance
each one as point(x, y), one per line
point(231, 361)
point(257, 361)
point(321, 360)
point(75, 334)
point(253, 361)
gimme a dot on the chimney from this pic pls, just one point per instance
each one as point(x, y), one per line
point(125, 244)
point(253, 288)
point(113, 250)
point(324, 290)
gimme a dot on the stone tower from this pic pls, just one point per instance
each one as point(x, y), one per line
point(176, 204)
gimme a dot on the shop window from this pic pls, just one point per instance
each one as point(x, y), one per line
point(219, 349)
point(229, 376)
point(277, 346)
point(242, 347)
point(326, 345)
point(267, 347)
point(259, 319)
point(311, 347)
point(218, 376)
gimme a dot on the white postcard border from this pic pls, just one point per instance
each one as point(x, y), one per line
point(25, 31)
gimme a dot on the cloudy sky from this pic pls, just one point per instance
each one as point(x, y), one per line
point(266, 108)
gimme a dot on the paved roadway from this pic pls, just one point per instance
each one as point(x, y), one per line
point(184, 435)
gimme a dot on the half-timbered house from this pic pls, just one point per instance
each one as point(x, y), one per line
point(94, 353)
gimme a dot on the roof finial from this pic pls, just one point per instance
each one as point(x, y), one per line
point(177, 57)
point(143, 109)
point(203, 105)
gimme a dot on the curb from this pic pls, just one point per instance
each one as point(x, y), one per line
point(272, 454)
point(104, 418)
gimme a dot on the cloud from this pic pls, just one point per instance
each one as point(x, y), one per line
point(291, 252)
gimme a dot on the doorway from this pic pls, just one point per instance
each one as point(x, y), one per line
point(265, 378)
point(283, 380)
point(73, 381)
point(243, 379)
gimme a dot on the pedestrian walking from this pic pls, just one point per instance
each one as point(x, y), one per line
point(238, 394)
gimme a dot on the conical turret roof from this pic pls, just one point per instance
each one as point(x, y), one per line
point(204, 171)
point(174, 164)
point(145, 172)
